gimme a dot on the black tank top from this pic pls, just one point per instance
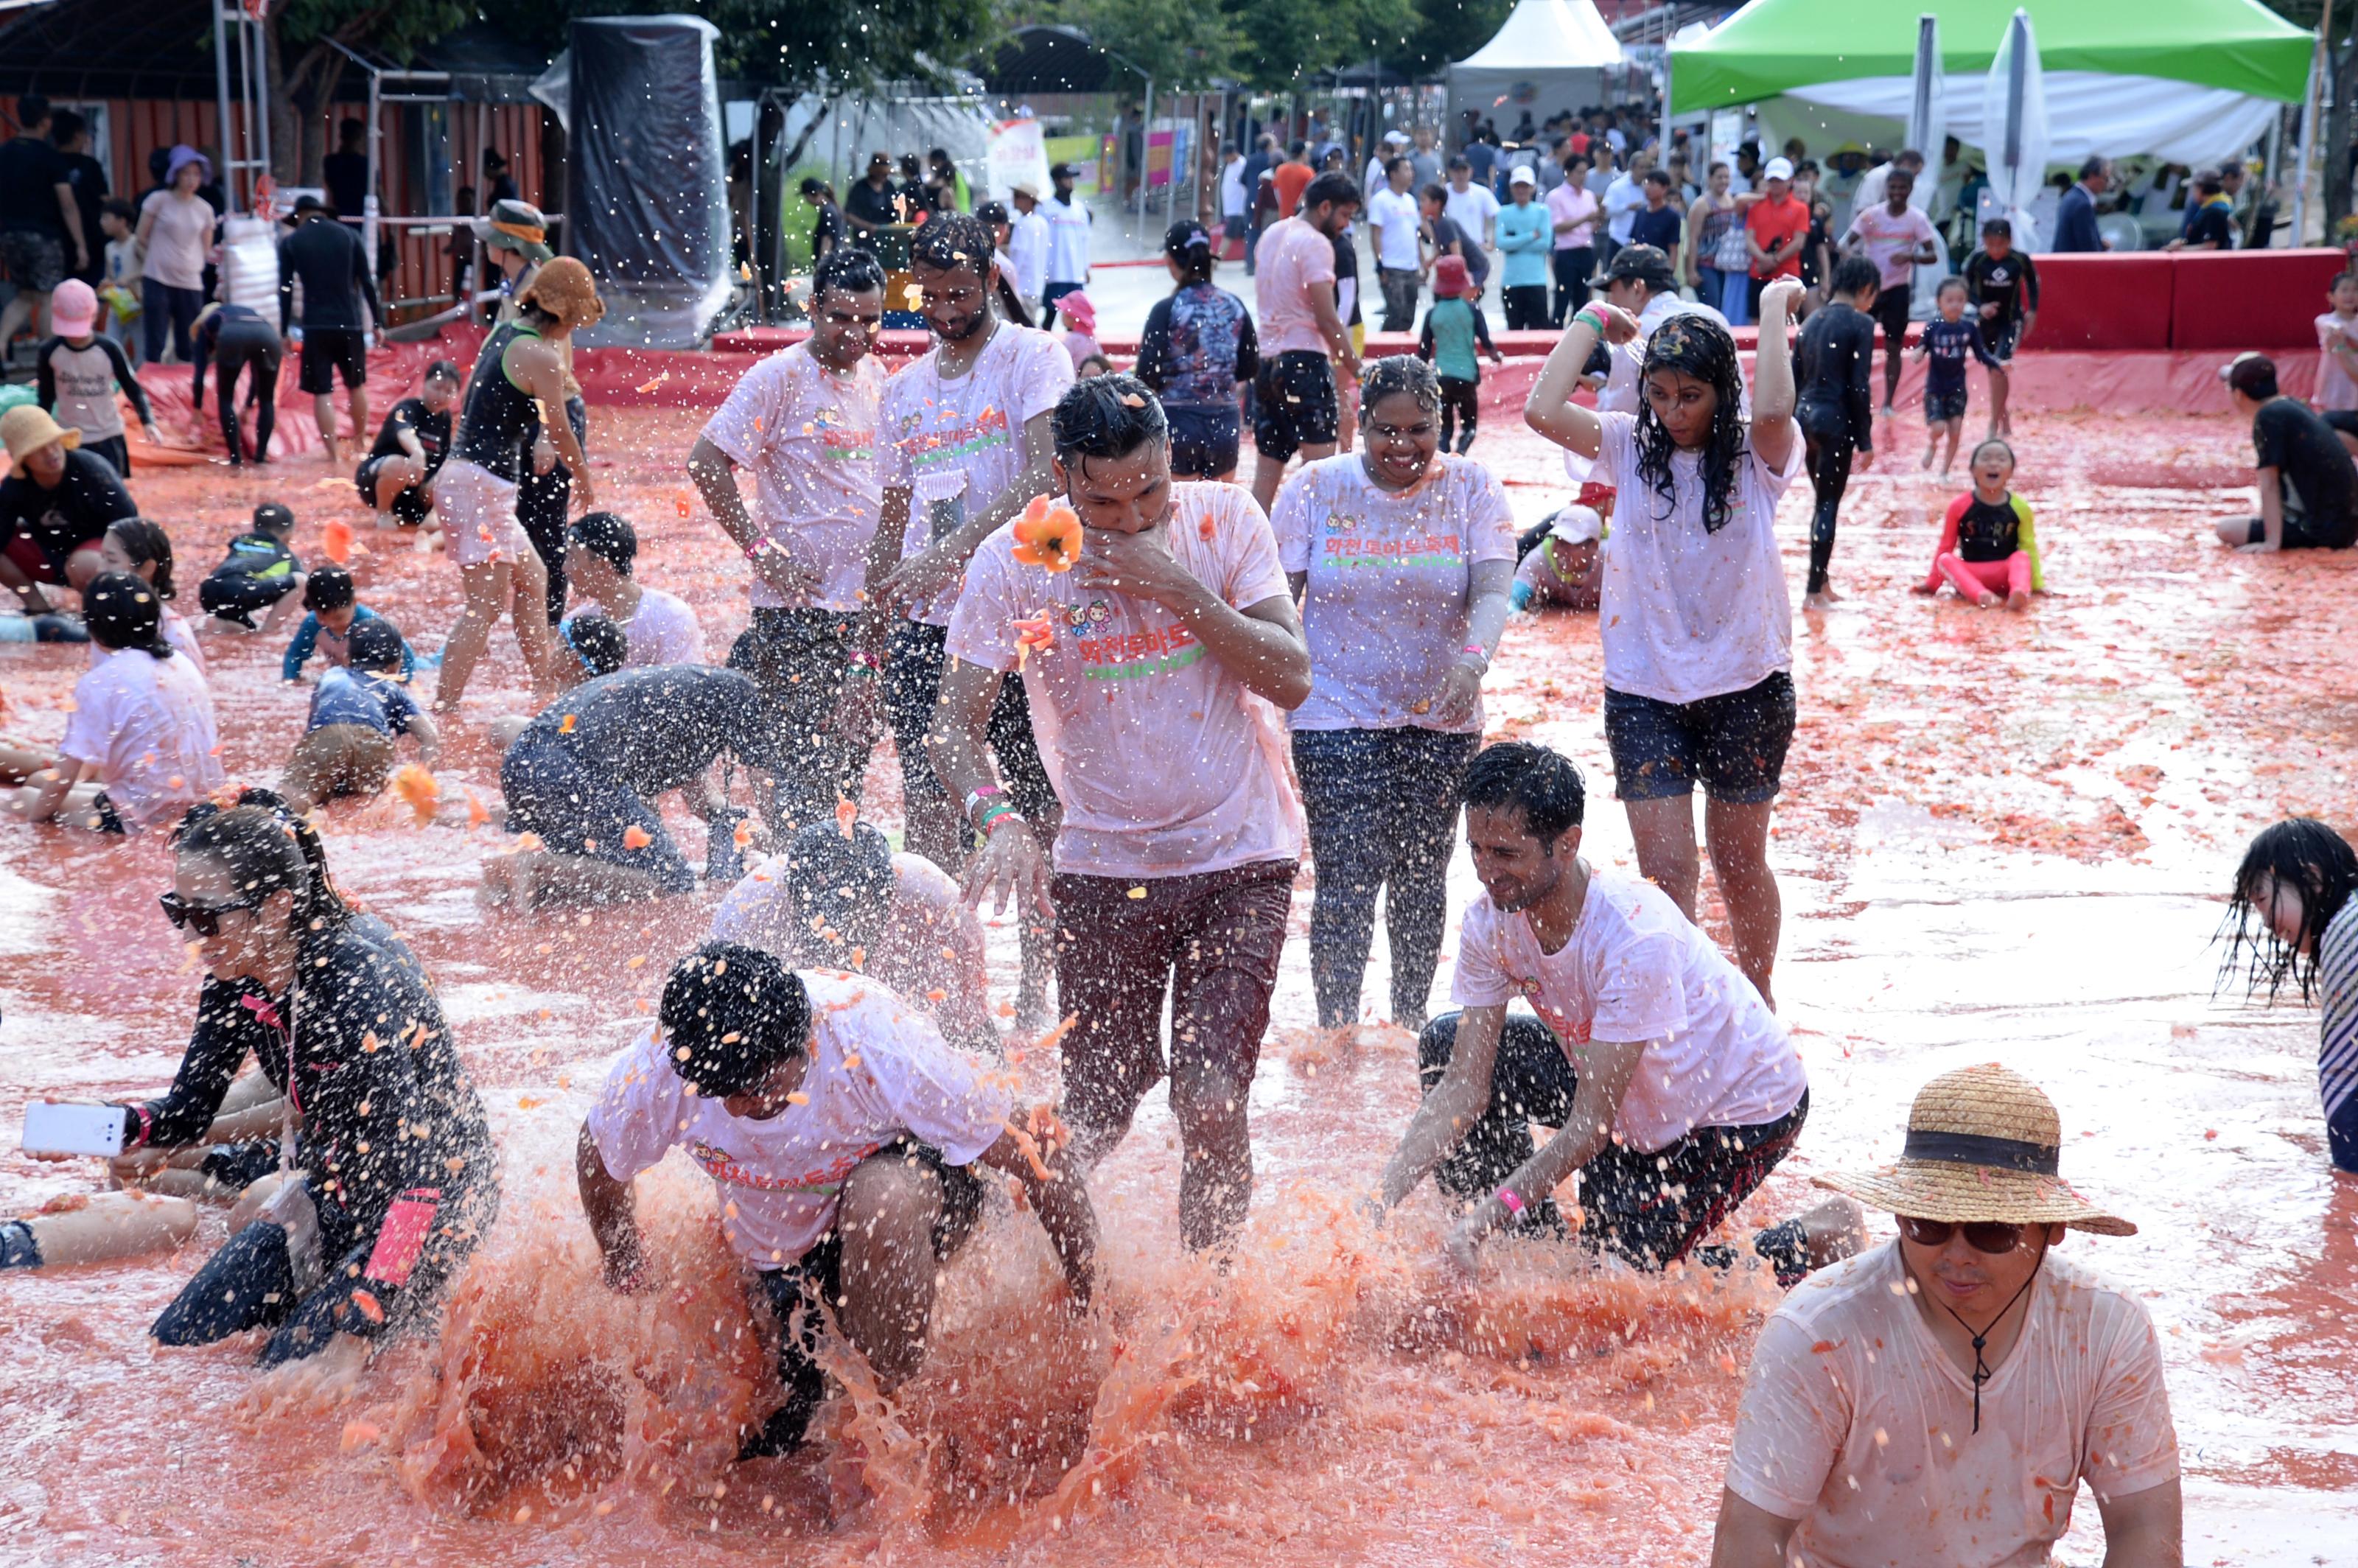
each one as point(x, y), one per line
point(499, 419)
point(1987, 532)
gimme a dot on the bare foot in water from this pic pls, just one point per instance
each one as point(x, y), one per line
point(2017, 601)
point(511, 880)
point(1989, 602)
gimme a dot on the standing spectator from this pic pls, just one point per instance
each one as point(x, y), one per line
point(946, 184)
point(1197, 349)
point(1068, 241)
point(1423, 158)
point(1400, 258)
point(332, 265)
point(70, 134)
point(1380, 164)
point(1236, 198)
point(497, 186)
point(118, 287)
point(1482, 156)
point(77, 373)
point(1257, 168)
point(1573, 210)
point(2209, 222)
point(1524, 242)
point(345, 171)
point(1622, 200)
point(869, 206)
point(1443, 237)
point(1292, 178)
point(41, 240)
point(1473, 210)
point(2075, 218)
point(1304, 337)
point(1711, 223)
point(1661, 222)
point(176, 231)
point(1027, 243)
point(827, 220)
point(1776, 227)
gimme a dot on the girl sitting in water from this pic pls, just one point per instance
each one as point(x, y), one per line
point(2292, 909)
point(1988, 546)
point(142, 549)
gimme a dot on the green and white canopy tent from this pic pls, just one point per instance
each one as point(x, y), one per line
point(2188, 81)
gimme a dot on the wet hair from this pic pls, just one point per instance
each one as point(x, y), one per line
point(329, 587)
point(147, 544)
point(1700, 347)
point(813, 185)
point(597, 641)
point(1397, 375)
point(1107, 416)
point(1188, 247)
point(990, 214)
point(951, 241)
point(274, 517)
point(374, 644)
point(854, 269)
point(445, 370)
point(2304, 854)
point(730, 1015)
point(1984, 446)
point(839, 881)
point(1335, 189)
point(1856, 275)
point(122, 612)
point(1436, 193)
point(1950, 282)
point(2000, 227)
point(264, 847)
point(609, 537)
point(1541, 784)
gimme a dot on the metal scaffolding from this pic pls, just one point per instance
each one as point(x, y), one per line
point(245, 104)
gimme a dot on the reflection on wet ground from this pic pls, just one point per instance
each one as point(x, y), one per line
point(2002, 837)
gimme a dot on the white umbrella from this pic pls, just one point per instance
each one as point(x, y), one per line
point(2013, 103)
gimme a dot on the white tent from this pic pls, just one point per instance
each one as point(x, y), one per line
point(1551, 55)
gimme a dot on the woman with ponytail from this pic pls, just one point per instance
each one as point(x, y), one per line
point(387, 1174)
point(142, 549)
point(1196, 350)
point(140, 743)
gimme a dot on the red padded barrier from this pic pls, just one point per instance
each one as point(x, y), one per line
point(2250, 299)
point(2105, 301)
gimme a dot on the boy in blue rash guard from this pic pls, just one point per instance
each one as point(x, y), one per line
point(334, 609)
point(356, 715)
point(1949, 339)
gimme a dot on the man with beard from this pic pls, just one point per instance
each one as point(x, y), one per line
point(962, 446)
point(1675, 1090)
point(1302, 334)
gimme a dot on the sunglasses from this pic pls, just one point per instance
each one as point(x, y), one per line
point(1983, 1235)
point(204, 919)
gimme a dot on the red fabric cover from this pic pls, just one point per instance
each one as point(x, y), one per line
point(2105, 301)
point(2250, 299)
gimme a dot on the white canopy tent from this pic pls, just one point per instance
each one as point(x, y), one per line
point(1551, 56)
point(2090, 112)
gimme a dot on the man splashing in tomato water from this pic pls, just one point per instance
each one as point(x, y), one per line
point(1152, 628)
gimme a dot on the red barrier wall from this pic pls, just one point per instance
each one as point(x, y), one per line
point(2251, 299)
point(2105, 301)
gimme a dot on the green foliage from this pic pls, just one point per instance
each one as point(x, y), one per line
point(1445, 30)
point(394, 28)
point(1184, 47)
point(854, 42)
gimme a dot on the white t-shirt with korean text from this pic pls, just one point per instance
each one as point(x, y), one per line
point(809, 435)
point(147, 723)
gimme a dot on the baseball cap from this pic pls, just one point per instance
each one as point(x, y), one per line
point(1522, 175)
point(1577, 524)
point(73, 309)
point(1778, 168)
point(1063, 172)
point(1645, 264)
point(2251, 373)
point(308, 202)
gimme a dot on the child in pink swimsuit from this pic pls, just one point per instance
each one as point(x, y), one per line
point(1989, 549)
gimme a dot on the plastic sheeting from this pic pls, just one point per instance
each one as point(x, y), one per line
point(648, 210)
point(845, 130)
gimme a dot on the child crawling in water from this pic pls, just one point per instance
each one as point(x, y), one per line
point(1989, 549)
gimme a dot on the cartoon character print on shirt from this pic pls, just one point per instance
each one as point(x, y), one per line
point(1081, 617)
point(1571, 1032)
point(940, 440)
point(841, 439)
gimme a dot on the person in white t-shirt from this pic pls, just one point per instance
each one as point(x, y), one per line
point(1396, 218)
point(842, 1134)
point(804, 421)
point(1696, 618)
point(600, 552)
point(1942, 1397)
point(840, 898)
point(1897, 238)
point(1236, 201)
point(1154, 644)
point(1675, 1090)
point(963, 446)
point(141, 744)
point(1068, 241)
point(1473, 207)
point(1401, 556)
point(1027, 242)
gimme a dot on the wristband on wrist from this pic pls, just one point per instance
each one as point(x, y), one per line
point(147, 1125)
point(999, 817)
point(1510, 1200)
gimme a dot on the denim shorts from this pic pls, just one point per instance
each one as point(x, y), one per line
point(1734, 743)
point(1204, 439)
point(577, 811)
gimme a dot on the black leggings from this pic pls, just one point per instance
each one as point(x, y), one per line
point(1830, 448)
point(1891, 315)
point(240, 344)
point(542, 501)
point(1573, 269)
point(1460, 401)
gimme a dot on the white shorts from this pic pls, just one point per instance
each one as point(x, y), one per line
point(478, 511)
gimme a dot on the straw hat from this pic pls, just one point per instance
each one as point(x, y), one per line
point(1983, 1144)
point(28, 428)
point(564, 289)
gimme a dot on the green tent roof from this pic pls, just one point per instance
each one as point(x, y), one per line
point(1773, 46)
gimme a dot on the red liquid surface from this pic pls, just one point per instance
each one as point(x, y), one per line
point(2002, 836)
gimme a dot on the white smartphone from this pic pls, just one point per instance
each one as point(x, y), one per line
point(73, 1130)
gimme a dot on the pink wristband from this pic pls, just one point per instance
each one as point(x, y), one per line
point(1511, 1200)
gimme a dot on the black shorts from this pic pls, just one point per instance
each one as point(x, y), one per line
point(577, 811)
point(1294, 405)
point(913, 684)
point(1204, 439)
point(410, 505)
point(2301, 533)
point(35, 259)
point(1998, 335)
point(819, 1273)
point(328, 351)
point(1734, 743)
point(1943, 407)
point(114, 449)
point(238, 597)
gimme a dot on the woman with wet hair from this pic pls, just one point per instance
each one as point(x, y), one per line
point(142, 548)
point(1401, 556)
point(2292, 917)
point(1696, 620)
point(387, 1177)
point(1197, 351)
point(141, 740)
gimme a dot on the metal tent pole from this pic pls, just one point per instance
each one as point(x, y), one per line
point(221, 107)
